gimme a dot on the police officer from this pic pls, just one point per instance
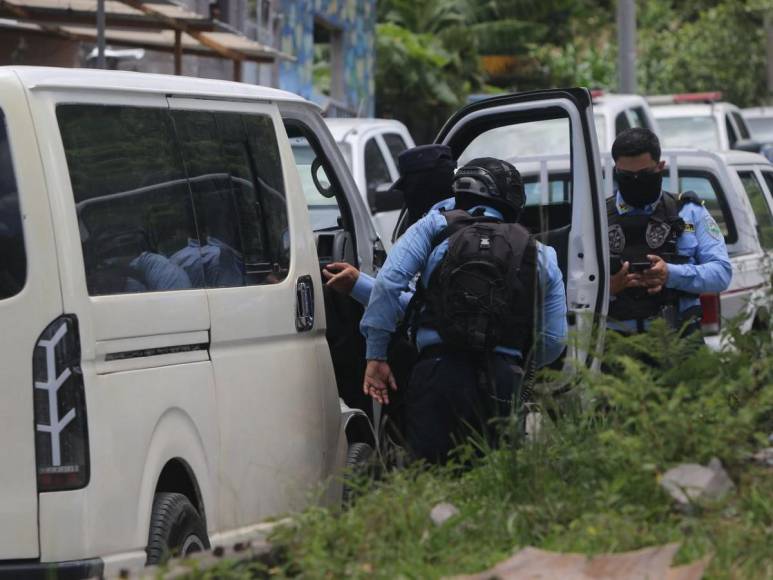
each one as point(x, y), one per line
point(666, 249)
point(444, 392)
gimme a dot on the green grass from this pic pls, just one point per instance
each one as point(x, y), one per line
point(589, 484)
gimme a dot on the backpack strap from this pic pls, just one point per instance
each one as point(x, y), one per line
point(458, 219)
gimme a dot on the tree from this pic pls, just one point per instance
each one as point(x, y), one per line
point(426, 62)
point(715, 45)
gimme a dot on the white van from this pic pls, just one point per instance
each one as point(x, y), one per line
point(166, 378)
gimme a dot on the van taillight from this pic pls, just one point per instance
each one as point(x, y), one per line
point(61, 435)
point(712, 313)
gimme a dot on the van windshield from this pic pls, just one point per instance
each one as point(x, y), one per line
point(13, 266)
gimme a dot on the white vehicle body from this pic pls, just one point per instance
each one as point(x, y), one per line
point(122, 382)
point(615, 113)
point(224, 394)
point(710, 126)
point(760, 122)
point(371, 148)
point(723, 182)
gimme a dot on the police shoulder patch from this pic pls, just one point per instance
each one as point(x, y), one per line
point(713, 228)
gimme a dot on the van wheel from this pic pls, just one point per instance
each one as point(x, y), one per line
point(358, 466)
point(176, 529)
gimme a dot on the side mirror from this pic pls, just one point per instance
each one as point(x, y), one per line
point(749, 145)
point(385, 198)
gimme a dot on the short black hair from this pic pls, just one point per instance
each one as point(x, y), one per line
point(634, 142)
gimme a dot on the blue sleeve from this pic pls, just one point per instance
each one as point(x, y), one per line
point(551, 321)
point(364, 286)
point(161, 274)
point(712, 270)
point(408, 256)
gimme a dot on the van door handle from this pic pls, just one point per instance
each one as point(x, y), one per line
point(304, 304)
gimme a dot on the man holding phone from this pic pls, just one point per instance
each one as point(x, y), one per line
point(665, 249)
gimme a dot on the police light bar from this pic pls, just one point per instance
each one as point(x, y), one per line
point(596, 94)
point(706, 97)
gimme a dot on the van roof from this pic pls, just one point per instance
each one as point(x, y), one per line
point(34, 78)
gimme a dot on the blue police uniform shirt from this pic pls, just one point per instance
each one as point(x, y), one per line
point(708, 267)
point(413, 253)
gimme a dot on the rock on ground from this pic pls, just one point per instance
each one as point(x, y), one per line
point(443, 512)
point(691, 482)
point(646, 564)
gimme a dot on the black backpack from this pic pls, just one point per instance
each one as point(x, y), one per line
point(482, 294)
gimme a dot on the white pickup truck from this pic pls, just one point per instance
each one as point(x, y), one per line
point(737, 189)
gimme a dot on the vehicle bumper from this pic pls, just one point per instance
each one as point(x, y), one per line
point(71, 570)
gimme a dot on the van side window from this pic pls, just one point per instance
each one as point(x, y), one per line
point(760, 207)
point(235, 174)
point(131, 196)
point(13, 266)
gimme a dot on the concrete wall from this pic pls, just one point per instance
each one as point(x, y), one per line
point(22, 48)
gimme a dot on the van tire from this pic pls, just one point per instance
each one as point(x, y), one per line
point(175, 528)
point(358, 464)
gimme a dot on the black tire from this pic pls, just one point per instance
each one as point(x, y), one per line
point(358, 465)
point(176, 529)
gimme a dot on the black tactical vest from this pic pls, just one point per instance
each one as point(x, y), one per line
point(632, 238)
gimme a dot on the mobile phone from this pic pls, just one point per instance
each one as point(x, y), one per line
point(636, 267)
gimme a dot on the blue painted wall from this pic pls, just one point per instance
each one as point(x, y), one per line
point(357, 20)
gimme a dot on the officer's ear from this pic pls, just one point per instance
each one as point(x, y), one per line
point(661, 165)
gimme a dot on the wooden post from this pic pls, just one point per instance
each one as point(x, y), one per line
point(178, 52)
point(237, 71)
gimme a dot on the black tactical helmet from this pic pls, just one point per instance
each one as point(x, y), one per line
point(492, 182)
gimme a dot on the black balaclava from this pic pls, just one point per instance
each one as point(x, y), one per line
point(639, 189)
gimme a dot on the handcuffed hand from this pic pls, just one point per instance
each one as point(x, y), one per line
point(378, 381)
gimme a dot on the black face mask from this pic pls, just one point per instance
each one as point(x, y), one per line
point(640, 188)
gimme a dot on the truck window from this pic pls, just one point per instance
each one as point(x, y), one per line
point(132, 198)
point(731, 135)
point(621, 123)
point(741, 124)
point(396, 145)
point(709, 190)
point(760, 207)
point(235, 174)
point(638, 118)
point(692, 132)
point(376, 169)
point(13, 266)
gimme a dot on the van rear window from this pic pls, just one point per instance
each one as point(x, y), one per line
point(13, 260)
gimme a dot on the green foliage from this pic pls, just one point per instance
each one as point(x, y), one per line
point(419, 79)
point(702, 47)
point(588, 483)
